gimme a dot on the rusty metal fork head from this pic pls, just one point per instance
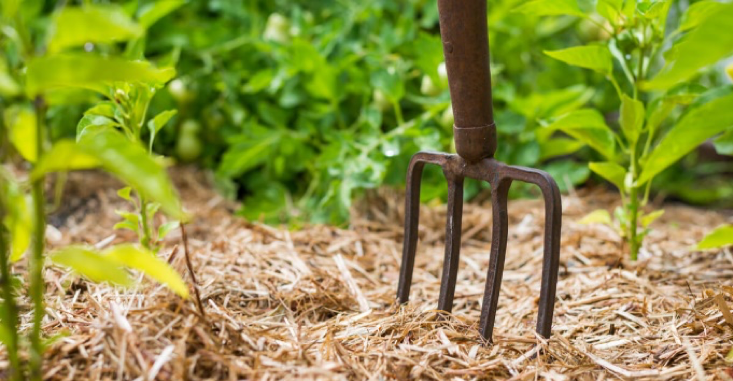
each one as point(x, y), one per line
point(464, 34)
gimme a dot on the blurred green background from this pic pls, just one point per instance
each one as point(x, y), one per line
point(298, 107)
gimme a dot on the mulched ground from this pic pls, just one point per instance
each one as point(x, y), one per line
point(318, 303)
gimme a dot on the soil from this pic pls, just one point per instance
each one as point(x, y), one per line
point(319, 302)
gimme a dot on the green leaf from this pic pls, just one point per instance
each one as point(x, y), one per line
point(651, 217)
point(22, 125)
point(90, 72)
point(390, 83)
point(594, 57)
point(697, 12)
point(132, 164)
point(588, 126)
point(126, 225)
point(551, 8)
point(710, 42)
point(600, 216)
point(166, 228)
point(724, 143)
point(558, 147)
point(92, 265)
point(106, 109)
point(145, 261)
point(692, 130)
point(94, 23)
point(124, 193)
point(93, 122)
point(155, 11)
point(120, 157)
point(631, 118)
point(157, 123)
point(18, 219)
point(610, 10)
point(131, 217)
point(65, 155)
point(8, 86)
point(568, 173)
point(428, 51)
point(250, 150)
point(722, 236)
point(611, 172)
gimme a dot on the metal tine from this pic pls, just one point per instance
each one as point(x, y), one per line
point(500, 229)
point(412, 218)
point(454, 218)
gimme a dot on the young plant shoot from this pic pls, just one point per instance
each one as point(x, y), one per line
point(664, 113)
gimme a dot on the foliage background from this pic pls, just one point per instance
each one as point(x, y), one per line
point(300, 106)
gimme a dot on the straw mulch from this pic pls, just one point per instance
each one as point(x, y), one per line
point(318, 303)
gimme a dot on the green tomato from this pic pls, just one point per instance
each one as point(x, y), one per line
point(593, 31)
point(443, 74)
point(188, 147)
point(190, 127)
point(213, 118)
point(381, 101)
point(180, 93)
point(277, 28)
point(427, 87)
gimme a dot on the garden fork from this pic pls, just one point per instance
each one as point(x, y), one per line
point(464, 34)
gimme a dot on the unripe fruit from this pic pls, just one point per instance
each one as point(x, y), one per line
point(179, 92)
point(188, 145)
point(381, 101)
point(277, 28)
point(427, 87)
point(443, 74)
point(447, 119)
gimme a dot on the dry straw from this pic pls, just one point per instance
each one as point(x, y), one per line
point(318, 303)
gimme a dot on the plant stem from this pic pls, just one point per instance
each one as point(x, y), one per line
point(633, 216)
point(36, 259)
point(10, 320)
point(145, 239)
point(398, 113)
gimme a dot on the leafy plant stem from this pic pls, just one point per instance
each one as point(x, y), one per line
point(145, 239)
point(634, 215)
point(398, 113)
point(36, 259)
point(11, 309)
point(615, 85)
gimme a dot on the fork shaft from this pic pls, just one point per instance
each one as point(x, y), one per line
point(464, 33)
point(452, 242)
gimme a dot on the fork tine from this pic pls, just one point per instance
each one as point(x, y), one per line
point(551, 256)
point(499, 196)
point(412, 218)
point(551, 259)
point(452, 242)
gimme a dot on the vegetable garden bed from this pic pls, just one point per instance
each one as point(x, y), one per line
point(318, 302)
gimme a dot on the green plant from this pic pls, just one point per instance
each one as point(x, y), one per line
point(721, 237)
point(43, 67)
point(652, 132)
point(300, 106)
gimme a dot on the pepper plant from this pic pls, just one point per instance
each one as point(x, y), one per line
point(51, 64)
point(666, 110)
